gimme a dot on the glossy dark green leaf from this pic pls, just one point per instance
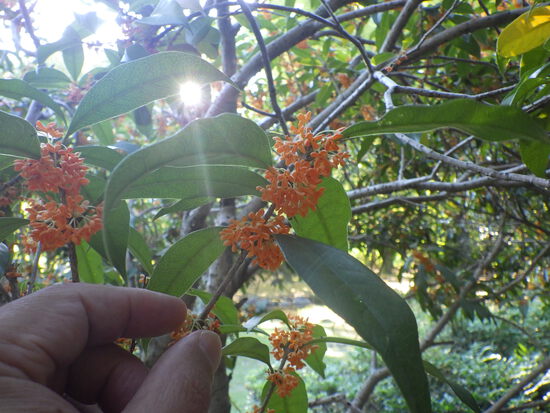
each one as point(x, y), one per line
point(378, 314)
point(47, 78)
point(18, 89)
point(90, 264)
point(8, 225)
point(248, 347)
point(272, 315)
point(315, 358)
point(328, 223)
point(139, 249)
point(116, 228)
point(224, 309)
point(101, 156)
point(18, 137)
point(535, 156)
point(196, 182)
point(185, 261)
point(464, 395)
point(295, 402)
point(137, 83)
point(493, 123)
point(73, 57)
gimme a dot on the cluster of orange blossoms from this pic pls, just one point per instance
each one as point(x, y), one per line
point(293, 190)
point(294, 345)
point(190, 324)
point(59, 171)
point(255, 235)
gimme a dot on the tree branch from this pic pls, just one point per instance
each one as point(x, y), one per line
point(510, 394)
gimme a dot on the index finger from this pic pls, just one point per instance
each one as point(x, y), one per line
point(49, 329)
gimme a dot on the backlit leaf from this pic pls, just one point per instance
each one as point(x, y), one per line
point(9, 225)
point(248, 347)
point(490, 122)
point(528, 31)
point(295, 402)
point(18, 89)
point(90, 264)
point(196, 182)
point(328, 223)
point(185, 261)
point(18, 137)
point(139, 82)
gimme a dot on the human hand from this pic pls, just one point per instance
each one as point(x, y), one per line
point(60, 341)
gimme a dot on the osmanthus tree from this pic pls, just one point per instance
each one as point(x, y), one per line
point(405, 136)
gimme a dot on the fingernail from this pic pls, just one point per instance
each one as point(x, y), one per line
point(211, 347)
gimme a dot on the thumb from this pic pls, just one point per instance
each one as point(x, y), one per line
point(181, 379)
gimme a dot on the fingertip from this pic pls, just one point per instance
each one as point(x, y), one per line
point(211, 345)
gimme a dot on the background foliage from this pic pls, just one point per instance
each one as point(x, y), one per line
point(445, 107)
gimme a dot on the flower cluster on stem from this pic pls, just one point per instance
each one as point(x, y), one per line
point(292, 190)
point(61, 215)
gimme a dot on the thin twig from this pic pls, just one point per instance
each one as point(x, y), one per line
point(267, 65)
point(73, 262)
point(28, 23)
point(34, 270)
point(510, 394)
point(357, 43)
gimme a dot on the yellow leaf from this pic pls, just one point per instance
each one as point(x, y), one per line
point(528, 31)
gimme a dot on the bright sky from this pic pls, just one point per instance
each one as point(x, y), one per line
point(51, 17)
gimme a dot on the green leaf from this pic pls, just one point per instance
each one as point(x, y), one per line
point(248, 347)
point(166, 12)
point(73, 57)
point(328, 223)
point(18, 137)
point(144, 121)
point(493, 123)
point(224, 309)
point(528, 31)
point(9, 225)
point(116, 228)
point(205, 141)
point(103, 131)
point(295, 402)
point(90, 264)
point(315, 359)
point(341, 340)
point(196, 182)
point(255, 321)
point(378, 314)
point(182, 205)
point(535, 156)
point(5, 258)
point(139, 82)
point(47, 78)
point(101, 156)
point(139, 249)
point(460, 391)
point(83, 26)
point(18, 89)
point(185, 261)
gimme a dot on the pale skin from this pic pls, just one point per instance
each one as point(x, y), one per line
point(59, 341)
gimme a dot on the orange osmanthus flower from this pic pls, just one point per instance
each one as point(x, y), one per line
point(294, 342)
point(284, 380)
point(54, 225)
point(57, 169)
point(253, 234)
